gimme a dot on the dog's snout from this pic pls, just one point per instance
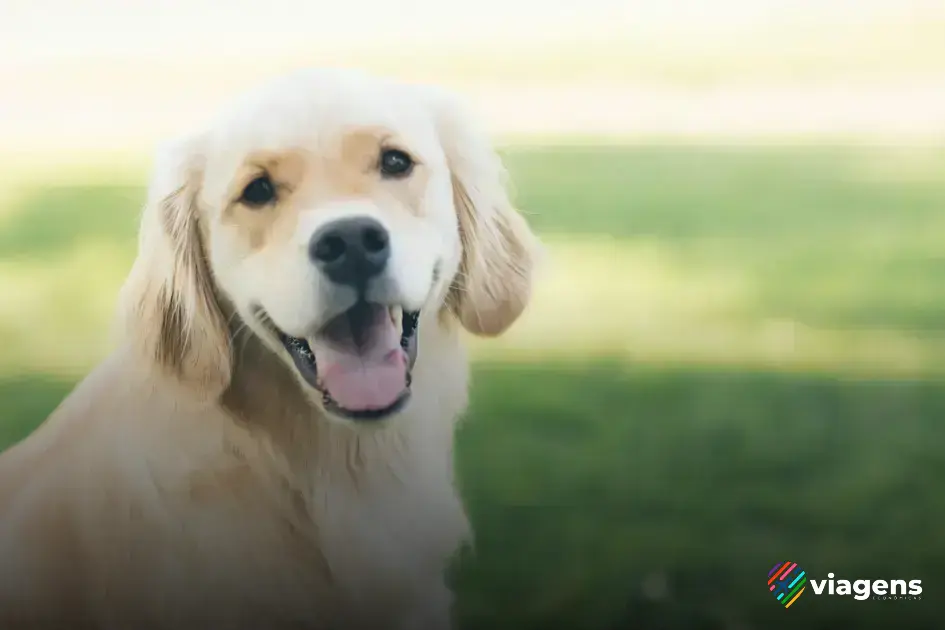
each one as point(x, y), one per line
point(351, 251)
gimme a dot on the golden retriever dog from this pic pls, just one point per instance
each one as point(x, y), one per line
point(269, 446)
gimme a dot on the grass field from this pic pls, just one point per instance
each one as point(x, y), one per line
point(734, 357)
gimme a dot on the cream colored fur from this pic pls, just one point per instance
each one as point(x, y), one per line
point(191, 480)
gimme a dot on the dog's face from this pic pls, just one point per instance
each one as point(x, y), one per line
point(333, 214)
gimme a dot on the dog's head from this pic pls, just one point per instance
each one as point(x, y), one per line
point(332, 213)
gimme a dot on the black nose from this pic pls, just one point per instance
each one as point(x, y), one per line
point(351, 251)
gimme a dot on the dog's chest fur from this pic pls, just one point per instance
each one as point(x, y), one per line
point(360, 537)
point(387, 539)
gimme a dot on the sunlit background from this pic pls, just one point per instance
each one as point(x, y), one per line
point(735, 354)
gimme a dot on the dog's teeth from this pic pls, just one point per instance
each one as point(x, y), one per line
point(396, 316)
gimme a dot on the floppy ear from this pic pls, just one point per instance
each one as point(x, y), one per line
point(169, 305)
point(494, 282)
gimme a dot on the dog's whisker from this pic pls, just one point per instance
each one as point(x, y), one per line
point(245, 338)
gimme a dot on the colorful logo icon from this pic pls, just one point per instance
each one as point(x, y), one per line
point(786, 581)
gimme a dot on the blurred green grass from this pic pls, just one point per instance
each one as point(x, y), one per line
point(733, 358)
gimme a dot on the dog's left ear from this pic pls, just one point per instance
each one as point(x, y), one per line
point(169, 305)
point(494, 282)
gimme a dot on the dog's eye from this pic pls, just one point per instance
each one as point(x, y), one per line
point(259, 192)
point(395, 163)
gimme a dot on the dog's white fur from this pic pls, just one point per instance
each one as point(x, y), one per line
point(192, 480)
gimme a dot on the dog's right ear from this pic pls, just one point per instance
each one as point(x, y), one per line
point(499, 249)
point(169, 305)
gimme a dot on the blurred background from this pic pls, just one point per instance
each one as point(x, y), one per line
point(735, 355)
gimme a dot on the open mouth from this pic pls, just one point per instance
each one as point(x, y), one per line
point(360, 361)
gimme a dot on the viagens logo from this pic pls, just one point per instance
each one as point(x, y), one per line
point(787, 582)
point(867, 589)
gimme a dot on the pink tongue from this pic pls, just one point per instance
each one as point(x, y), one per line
point(359, 379)
point(372, 384)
